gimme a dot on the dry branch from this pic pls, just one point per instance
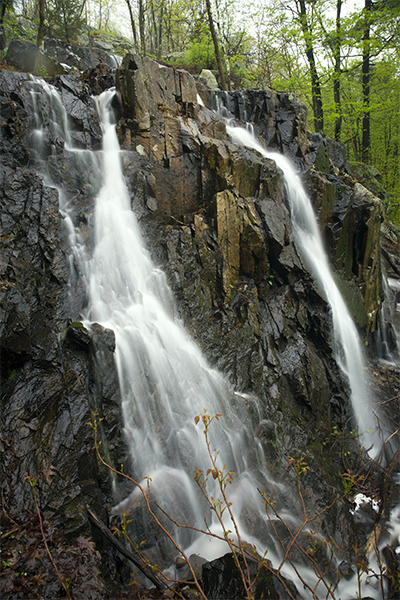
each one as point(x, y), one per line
point(135, 560)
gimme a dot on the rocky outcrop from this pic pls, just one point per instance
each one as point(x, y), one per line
point(185, 163)
point(56, 57)
point(80, 57)
point(222, 581)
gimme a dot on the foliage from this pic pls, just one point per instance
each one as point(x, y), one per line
point(281, 65)
point(200, 54)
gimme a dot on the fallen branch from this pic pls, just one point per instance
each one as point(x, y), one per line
point(135, 560)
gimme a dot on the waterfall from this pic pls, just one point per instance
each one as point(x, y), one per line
point(164, 379)
point(308, 238)
point(51, 119)
point(388, 336)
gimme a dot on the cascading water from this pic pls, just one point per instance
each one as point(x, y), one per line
point(388, 336)
point(164, 379)
point(50, 114)
point(308, 238)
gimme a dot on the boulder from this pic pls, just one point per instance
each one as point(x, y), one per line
point(30, 59)
point(210, 79)
point(83, 57)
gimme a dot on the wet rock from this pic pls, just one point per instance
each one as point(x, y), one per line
point(81, 57)
point(215, 217)
point(279, 119)
point(78, 334)
point(267, 434)
point(147, 87)
point(100, 78)
point(48, 369)
point(351, 218)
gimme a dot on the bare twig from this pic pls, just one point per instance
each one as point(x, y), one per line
point(61, 579)
point(147, 501)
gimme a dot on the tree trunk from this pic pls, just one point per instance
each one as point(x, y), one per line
point(160, 29)
point(133, 26)
point(141, 28)
point(216, 47)
point(337, 73)
point(42, 26)
point(224, 52)
point(154, 37)
point(315, 83)
point(3, 7)
point(366, 76)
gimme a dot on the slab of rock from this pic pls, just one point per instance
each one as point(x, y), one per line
point(30, 59)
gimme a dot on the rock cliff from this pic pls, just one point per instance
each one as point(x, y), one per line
point(216, 219)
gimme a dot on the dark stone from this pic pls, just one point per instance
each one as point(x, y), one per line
point(100, 78)
point(81, 57)
point(222, 581)
point(30, 59)
point(78, 334)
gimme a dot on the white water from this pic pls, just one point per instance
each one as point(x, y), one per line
point(308, 239)
point(165, 381)
point(388, 336)
point(51, 115)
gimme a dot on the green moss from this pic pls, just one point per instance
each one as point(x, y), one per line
point(77, 325)
point(13, 375)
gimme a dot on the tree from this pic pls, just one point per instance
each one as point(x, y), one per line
point(142, 11)
point(337, 73)
point(296, 21)
point(4, 5)
point(366, 73)
point(383, 17)
point(216, 46)
point(133, 26)
point(42, 26)
point(66, 17)
point(315, 81)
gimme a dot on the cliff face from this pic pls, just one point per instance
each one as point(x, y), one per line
point(227, 239)
point(215, 218)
